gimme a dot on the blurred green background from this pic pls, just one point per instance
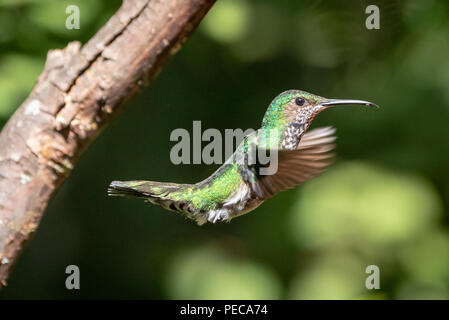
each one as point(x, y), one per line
point(384, 202)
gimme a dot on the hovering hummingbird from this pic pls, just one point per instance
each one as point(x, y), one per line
point(238, 186)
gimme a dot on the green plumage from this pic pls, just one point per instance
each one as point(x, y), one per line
point(208, 194)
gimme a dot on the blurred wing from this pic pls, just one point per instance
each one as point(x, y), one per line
point(295, 167)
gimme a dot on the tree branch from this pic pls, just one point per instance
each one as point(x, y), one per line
point(78, 92)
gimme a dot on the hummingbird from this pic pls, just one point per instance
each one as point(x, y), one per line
point(239, 185)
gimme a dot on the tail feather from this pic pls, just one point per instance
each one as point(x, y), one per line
point(142, 189)
point(123, 189)
point(163, 194)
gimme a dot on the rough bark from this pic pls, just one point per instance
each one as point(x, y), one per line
point(77, 94)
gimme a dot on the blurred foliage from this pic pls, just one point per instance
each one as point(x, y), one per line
point(197, 273)
point(373, 207)
point(384, 202)
point(229, 22)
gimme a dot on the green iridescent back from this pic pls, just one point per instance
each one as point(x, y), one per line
point(207, 194)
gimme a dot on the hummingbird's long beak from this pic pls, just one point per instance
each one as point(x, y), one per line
point(335, 102)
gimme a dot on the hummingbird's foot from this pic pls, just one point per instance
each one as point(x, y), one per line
point(218, 215)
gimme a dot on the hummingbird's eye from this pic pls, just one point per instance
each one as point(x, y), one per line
point(300, 101)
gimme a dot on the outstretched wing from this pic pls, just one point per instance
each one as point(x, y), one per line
point(311, 157)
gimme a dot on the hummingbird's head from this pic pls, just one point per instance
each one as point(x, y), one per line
point(292, 112)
